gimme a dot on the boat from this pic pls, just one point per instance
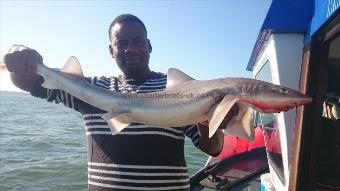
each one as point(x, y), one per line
point(298, 46)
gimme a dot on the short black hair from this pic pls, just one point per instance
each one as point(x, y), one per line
point(126, 18)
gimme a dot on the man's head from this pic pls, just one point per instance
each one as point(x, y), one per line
point(129, 45)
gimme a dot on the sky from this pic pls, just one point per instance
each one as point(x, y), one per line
point(205, 39)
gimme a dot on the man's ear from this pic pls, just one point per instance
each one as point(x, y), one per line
point(150, 47)
point(111, 51)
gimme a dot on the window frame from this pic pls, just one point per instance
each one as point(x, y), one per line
point(313, 82)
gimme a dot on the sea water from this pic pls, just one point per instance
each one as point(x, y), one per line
point(43, 146)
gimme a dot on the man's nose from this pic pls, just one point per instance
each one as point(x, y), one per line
point(130, 48)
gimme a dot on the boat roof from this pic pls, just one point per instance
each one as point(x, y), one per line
point(293, 16)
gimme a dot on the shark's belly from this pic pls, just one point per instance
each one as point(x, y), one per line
point(172, 113)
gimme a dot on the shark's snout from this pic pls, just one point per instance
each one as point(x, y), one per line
point(303, 101)
point(296, 103)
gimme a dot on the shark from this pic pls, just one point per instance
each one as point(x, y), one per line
point(184, 101)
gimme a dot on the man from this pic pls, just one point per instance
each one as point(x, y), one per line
point(139, 157)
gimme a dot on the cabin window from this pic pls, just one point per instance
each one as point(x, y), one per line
point(270, 127)
point(329, 143)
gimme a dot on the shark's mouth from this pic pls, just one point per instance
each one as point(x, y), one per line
point(289, 106)
point(276, 109)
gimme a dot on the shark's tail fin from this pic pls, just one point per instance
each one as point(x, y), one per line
point(2, 66)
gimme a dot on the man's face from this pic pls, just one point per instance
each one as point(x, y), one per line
point(130, 47)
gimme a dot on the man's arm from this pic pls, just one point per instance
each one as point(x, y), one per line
point(22, 62)
point(25, 82)
point(213, 146)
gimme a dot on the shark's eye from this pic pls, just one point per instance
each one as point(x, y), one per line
point(283, 90)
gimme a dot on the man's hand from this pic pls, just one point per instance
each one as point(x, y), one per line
point(22, 60)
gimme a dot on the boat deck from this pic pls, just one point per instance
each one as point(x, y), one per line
point(240, 172)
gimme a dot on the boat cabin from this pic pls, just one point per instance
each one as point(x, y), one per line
point(298, 46)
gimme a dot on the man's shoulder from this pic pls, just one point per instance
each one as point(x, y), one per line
point(158, 76)
point(101, 81)
point(102, 78)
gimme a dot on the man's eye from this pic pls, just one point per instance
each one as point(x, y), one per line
point(120, 44)
point(139, 42)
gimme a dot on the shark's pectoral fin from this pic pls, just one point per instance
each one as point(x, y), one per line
point(116, 122)
point(242, 125)
point(219, 113)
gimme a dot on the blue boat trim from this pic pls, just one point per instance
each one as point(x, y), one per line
point(261, 41)
point(292, 16)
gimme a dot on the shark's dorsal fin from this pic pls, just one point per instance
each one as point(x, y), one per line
point(73, 67)
point(176, 77)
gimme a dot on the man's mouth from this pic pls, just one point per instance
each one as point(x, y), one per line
point(132, 59)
